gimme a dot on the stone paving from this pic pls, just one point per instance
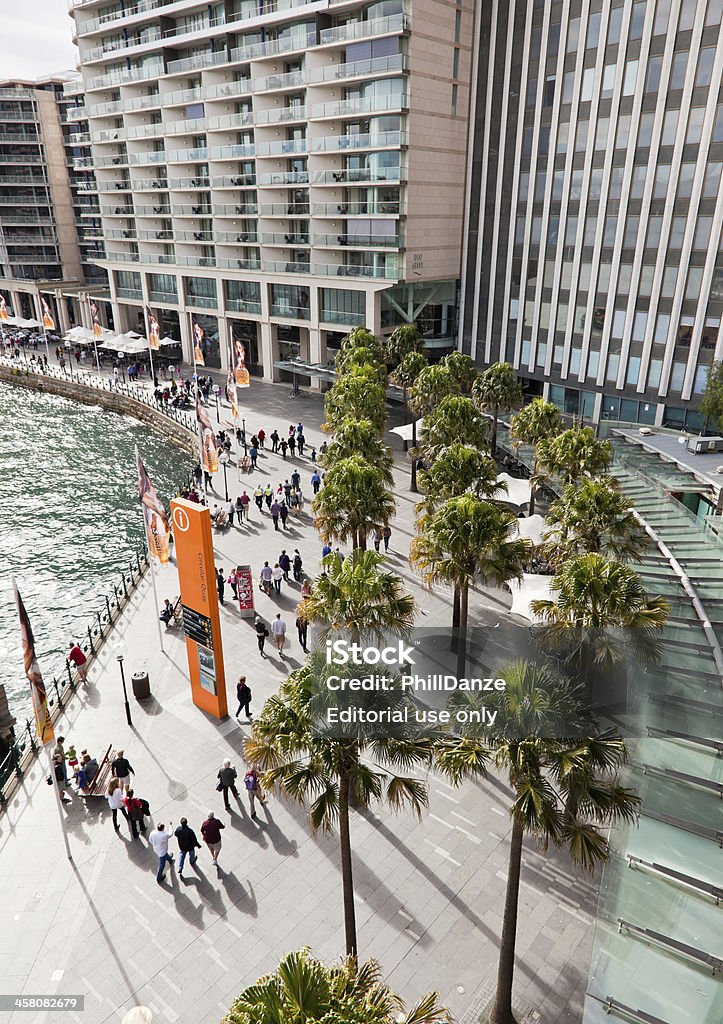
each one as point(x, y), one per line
point(429, 893)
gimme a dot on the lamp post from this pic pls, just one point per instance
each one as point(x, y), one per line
point(119, 659)
point(243, 428)
point(69, 350)
point(223, 459)
point(121, 360)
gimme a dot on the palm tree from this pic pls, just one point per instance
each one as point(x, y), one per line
point(565, 780)
point(354, 437)
point(404, 340)
point(468, 539)
point(433, 384)
point(363, 358)
point(600, 615)
point(497, 390)
point(353, 500)
point(593, 516)
point(459, 469)
point(357, 394)
point(455, 420)
point(533, 423)
point(462, 368)
point(360, 337)
point(405, 376)
point(574, 454)
point(303, 989)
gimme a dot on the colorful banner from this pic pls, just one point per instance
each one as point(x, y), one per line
point(209, 450)
point(154, 330)
point(231, 394)
point(243, 379)
point(43, 721)
point(3, 309)
point(95, 321)
point(198, 344)
point(245, 591)
point(48, 322)
point(158, 528)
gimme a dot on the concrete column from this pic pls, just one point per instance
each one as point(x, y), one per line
point(184, 320)
point(315, 354)
point(223, 336)
point(267, 350)
point(63, 318)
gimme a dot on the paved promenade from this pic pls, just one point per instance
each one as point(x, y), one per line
point(429, 893)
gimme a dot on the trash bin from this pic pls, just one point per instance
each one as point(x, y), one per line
point(141, 685)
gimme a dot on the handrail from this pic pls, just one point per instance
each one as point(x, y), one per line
point(694, 883)
point(699, 955)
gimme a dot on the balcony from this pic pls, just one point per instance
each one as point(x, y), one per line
point(232, 152)
point(114, 186)
point(236, 238)
point(195, 63)
point(284, 210)
point(151, 157)
point(335, 316)
point(155, 295)
point(191, 127)
point(117, 211)
point(364, 105)
point(246, 264)
point(245, 210)
point(330, 270)
point(284, 178)
point(290, 312)
point(103, 109)
point(153, 211)
point(291, 80)
point(380, 140)
point(243, 306)
point(285, 267)
point(359, 68)
point(121, 76)
point(151, 185)
point(93, 24)
point(194, 236)
point(283, 147)
point(110, 135)
point(270, 47)
point(233, 181)
point(199, 301)
point(347, 176)
point(129, 293)
point(200, 210)
point(187, 156)
point(124, 235)
point(138, 131)
point(229, 121)
point(358, 241)
point(118, 44)
point(165, 235)
point(276, 238)
point(362, 29)
point(188, 183)
point(79, 138)
point(280, 115)
point(108, 161)
point(74, 114)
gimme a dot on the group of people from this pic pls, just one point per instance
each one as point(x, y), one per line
point(83, 767)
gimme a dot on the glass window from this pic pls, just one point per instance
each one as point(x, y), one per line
point(677, 232)
point(701, 379)
point(715, 12)
point(339, 305)
point(638, 20)
point(601, 133)
point(570, 230)
point(695, 125)
point(662, 14)
point(543, 144)
point(705, 66)
point(616, 182)
point(593, 363)
point(640, 323)
point(625, 277)
point(583, 282)
point(645, 132)
point(677, 75)
point(613, 366)
point(595, 189)
point(549, 94)
point(593, 31)
point(702, 233)
point(645, 282)
point(603, 278)
point(633, 370)
point(576, 184)
point(531, 92)
point(662, 176)
point(611, 225)
point(588, 79)
point(677, 377)
point(631, 76)
point(687, 14)
point(553, 226)
point(662, 325)
point(575, 360)
point(670, 276)
point(536, 229)
point(527, 141)
point(685, 180)
point(608, 82)
point(614, 25)
point(637, 182)
point(524, 185)
point(654, 227)
point(540, 179)
point(656, 368)
point(652, 82)
point(711, 181)
point(590, 229)
point(553, 43)
point(631, 232)
point(557, 185)
point(567, 86)
point(573, 35)
point(621, 140)
point(563, 130)
point(618, 323)
point(581, 136)
point(670, 128)
point(694, 283)
point(718, 127)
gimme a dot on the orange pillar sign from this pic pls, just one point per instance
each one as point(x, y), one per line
point(197, 577)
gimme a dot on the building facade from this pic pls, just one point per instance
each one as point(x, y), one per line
point(592, 256)
point(279, 172)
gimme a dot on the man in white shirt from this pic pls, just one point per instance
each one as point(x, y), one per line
point(159, 840)
point(278, 632)
point(230, 509)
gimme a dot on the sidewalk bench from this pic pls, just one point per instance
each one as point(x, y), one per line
point(98, 785)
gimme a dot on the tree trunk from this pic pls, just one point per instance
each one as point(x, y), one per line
point(462, 641)
point(533, 488)
point(454, 640)
point(501, 1012)
point(493, 445)
point(413, 482)
point(362, 543)
point(347, 881)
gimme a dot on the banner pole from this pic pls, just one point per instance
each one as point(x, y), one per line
point(198, 424)
point(155, 597)
point(58, 801)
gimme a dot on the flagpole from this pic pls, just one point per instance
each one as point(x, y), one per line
point(198, 423)
point(151, 558)
point(58, 801)
point(92, 329)
point(235, 408)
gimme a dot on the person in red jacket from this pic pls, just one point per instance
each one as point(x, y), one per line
point(211, 832)
point(76, 655)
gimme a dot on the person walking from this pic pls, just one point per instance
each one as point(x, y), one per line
point(268, 495)
point(283, 445)
point(376, 538)
point(227, 780)
point(302, 629)
point(261, 634)
point(78, 658)
point(187, 844)
point(211, 832)
point(259, 498)
point(275, 513)
point(284, 513)
point(233, 583)
point(242, 504)
point(114, 797)
point(298, 563)
point(300, 442)
point(277, 575)
point(262, 437)
point(274, 440)
point(253, 455)
point(285, 565)
point(230, 507)
point(292, 445)
point(295, 480)
point(59, 753)
point(266, 575)
point(243, 695)
point(134, 810)
point(220, 584)
point(287, 490)
point(278, 631)
point(253, 790)
point(316, 481)
point(313, 456)
point(386, 534)
point(122, 770)
point(159, 840)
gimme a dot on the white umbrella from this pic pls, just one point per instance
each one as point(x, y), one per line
point(532, 528)
point(132, 346)
point(168, 341)
point(529, 588)
point(518, 491)
point(405, 431)
point(132, 334)
point(28, 323)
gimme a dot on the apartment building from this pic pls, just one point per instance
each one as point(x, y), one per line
point(279, 172)
point(39, 251)
point(593, 259)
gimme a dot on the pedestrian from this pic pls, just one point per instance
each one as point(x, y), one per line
point(278, 631)
point(277, 575)
point(386, 534)
point(159, 840)
point(302, 629)
point(230, 510)
point(59, 752)
point(300, 442)
point(122, 770)
point(266, 577)
point(134, 810)
point(227, 780)
point(293, 502)
point(284, 513)
point(275, 513)
point(326, 550)
point(187, 844)
point(324, 446)
point(283, 445)
point(287, 489)
point(253, 790)
point(59, 778)
point(261, 634)
point(243, 694)
point(259, 498)
point(211, 832)
point(292, 445)
point(220, 584)
point(295, 480)
point(262, 437)
point(243, 501)
point(297, 565)
point(285, 564)
point(76, 655)
point(253, 455)
point(268, 495)
point(299, 428)
point(376, 539)
point(313, 456)
point(315, 481)
point(274, 440)
point(233, 583)
point(115, 802)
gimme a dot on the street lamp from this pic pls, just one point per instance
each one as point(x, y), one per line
point(223, 459)
point(121, 358)
point(243, 428)
point(217, 392)
point(69, 350)
point(119, 659)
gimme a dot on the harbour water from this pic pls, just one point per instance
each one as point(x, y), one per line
point(70, 519)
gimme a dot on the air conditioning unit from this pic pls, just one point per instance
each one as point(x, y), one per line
point(705, 445)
